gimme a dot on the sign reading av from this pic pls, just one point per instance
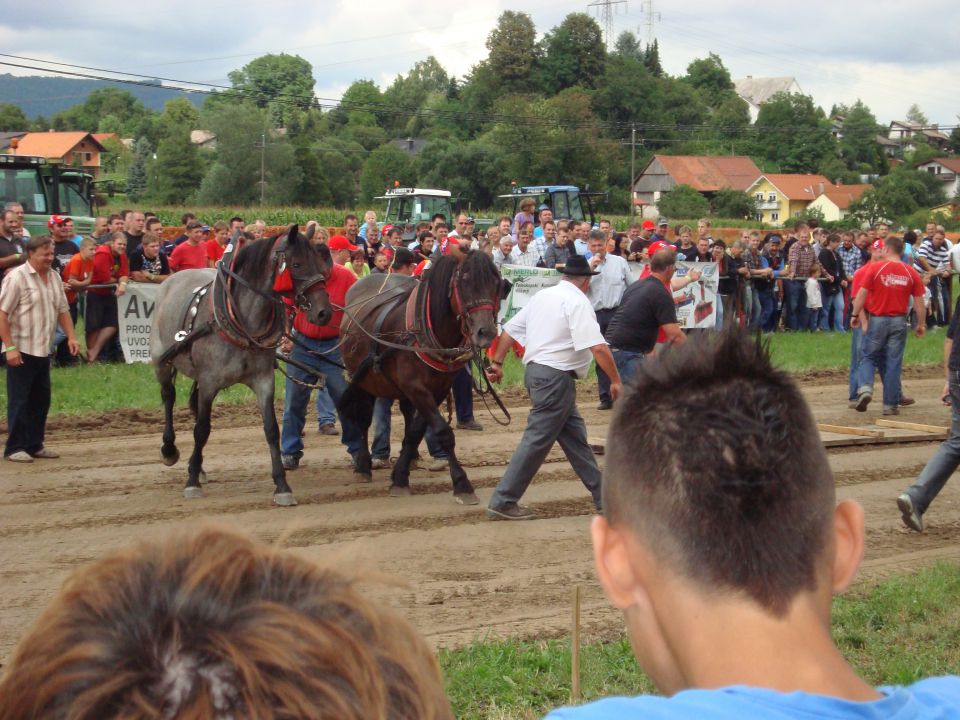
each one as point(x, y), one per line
point(135, 311)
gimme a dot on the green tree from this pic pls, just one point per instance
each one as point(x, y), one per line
point(313, 190)
point(915, 115)
point(683, 202)
point(12, 118)
point(137, 178)
point(341, 160)
point(102, 103)
point(413, 89)
point(954, 144)
point(651, 58)
point(729, 203)
point(792, 132)
point(858, 146)
point(628, 46)
point(178, 170)
point(514, 54)
point(384, 165)
point(628, 92)
point(473, 170)
point(902, 192)
point(573, 54)
point(282, 83)
point(179, 113)
point(711, 79)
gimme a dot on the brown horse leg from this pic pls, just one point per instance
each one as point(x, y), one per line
point(413, 429)
point(167, 376)
point(463, 491)
point(263, 387)
point(201, 433)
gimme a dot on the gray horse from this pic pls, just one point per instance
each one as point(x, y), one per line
point(222, 326)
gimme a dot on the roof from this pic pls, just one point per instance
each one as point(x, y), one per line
point(710, 173)
point(53, 144)
point(758, 90)
point(930, 131)
point(6, 137)
point(201, 137)
point(103, 137)
point(798, 186)
point(844, 195)
point(950, 163)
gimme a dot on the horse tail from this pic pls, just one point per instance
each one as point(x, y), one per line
point(194, 399)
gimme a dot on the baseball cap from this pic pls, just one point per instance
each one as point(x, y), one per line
point(648, 225)
point(877, 244)
point(339, 242)
point(775, 239)
point(663, 221)
point(56, 220)
point(658, 245)
point(386, 228)
point(205, 228)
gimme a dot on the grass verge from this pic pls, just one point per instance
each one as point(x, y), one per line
point(894, 632)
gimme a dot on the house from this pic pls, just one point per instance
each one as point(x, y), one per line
point(946, 170)
point(7, 137)
point(890, 148)
point(76, 149)
point(203, 139)
point(903, 132)
point(948, 211)
point(781, 197)
point(103, 138)
point(835, 203)
point(705, 174)
point(756, 91)
point(411, 146)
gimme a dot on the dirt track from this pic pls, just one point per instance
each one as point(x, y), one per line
point(463, 576)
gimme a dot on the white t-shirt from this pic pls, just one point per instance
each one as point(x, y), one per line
point(814, 300)
point(557, 328)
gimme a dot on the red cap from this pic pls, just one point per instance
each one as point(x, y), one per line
point(386, 228)
point(339, 242)
point(658, 245)
point(877, 244)
point(649, 225)
point(56, 220)
point(449, 241)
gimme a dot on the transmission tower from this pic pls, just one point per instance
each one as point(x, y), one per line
point(650, 17)
point(604, 10)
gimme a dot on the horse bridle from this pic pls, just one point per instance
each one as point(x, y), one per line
point(465, 310)
point(301, 286)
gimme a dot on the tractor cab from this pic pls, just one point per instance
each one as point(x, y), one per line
point(568, 202)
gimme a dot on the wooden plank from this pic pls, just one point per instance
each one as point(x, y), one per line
point(598, 445)
point(904, 425)
point(846, 430)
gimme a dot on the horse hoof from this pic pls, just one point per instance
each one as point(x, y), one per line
point(190, 492)
point(363, 477)
point(284, 499)
point(172, 459)
point(400, 491)
point(466, 498)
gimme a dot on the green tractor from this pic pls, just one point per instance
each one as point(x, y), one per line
point(46, 188)
point(409, 206)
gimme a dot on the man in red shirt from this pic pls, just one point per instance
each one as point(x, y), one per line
point(316, 347)
point(109, 267)
point(190, 255)
point(884, 291)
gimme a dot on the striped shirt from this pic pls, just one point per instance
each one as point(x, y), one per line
point(33, 306)
point(935, 257)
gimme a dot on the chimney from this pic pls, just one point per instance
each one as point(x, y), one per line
point(820, 189)
point(410, 144)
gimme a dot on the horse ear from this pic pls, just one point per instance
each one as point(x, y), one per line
point(293, 234)
point(311, 230)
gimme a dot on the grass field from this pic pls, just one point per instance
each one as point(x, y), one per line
point(100, 387)
point(896, 632)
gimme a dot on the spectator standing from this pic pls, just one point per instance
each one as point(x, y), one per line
point(110, 268)
point(663, 229)
point(133, 227)
point(63, 246)
point(560, 333)
point(351, 228)
point(78, 274)
point(101, 227)
point(32, 305)
point(503, 254)
point(525, 253)
point(148, 264)
point(686, 250)
point(642, 242)
point(22, 231)
point(754, 264)
point(544, 215)
point(190, 255)
point(580, 232)
point(851, 259)
point(814, 298)
point(831, 314)
point(933, 257)
point(12, 251)
point(800, 258)
point(885, 293)
point(185, 220)
point(524, 216)
point(217, 245)
point(771, 260)
point(605, 294)
point(358, 265)
point(560, 251)
point(545, 234)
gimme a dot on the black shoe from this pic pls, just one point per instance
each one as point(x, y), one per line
point(511, 512)
point(605, 405)
point(908, 511)
point(863, 399)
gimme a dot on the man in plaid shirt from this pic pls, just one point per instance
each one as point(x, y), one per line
point(800, 259)
point(851, 258)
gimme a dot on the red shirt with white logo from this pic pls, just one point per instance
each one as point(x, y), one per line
point(889, 285)
point(337, 285)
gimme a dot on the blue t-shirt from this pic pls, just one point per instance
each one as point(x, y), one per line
point(934, 699)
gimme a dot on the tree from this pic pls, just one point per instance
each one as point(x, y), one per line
point(12, 118)
point(899, 194)
point(628, 46)
point(384, 165)
point(954, 144)
point(711, 79)
point(513, 51)
point(137, 178)
point(729, 203)
point(411, 91)
point(628, 92)
point(178, 113)
point(792, 132)
point(651, 58)
point(858, 146)
point(281, 83)
point(915, 115)
point(178, 171)
point(683, 202)
point(473, 170)
point(573, 54)
point(313, 190)
point(102, 103)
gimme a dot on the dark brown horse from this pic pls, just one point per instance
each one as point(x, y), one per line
point(222, 327)
point(405, 339)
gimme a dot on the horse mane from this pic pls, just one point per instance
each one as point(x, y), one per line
point(479, 274)
point(256, 255)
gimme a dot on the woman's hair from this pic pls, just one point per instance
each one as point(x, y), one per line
point(209, 624)
point(527, 203)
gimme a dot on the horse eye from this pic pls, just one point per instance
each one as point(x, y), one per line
point(296, 265)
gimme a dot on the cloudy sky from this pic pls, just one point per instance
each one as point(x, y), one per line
point(887, 53)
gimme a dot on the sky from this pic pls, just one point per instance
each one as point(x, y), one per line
point(888, 54)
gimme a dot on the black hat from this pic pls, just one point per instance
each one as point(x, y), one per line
point(577, 265)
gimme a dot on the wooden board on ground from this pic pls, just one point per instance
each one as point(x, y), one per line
point(598, 445)
point(904, 425)
point(850, 430)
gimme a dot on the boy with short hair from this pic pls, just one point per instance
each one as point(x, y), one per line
point(724, 554)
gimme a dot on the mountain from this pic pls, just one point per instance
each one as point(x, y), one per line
point(46, 96)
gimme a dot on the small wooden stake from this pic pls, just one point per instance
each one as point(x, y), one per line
point(575, 648)
point(903, 425)
point(848, 430)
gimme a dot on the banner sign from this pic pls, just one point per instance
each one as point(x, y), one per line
point(135, 311)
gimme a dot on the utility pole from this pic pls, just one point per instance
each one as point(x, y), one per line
point(633, 160)
point(605, 15)
point(649, 18)
point(263, 151)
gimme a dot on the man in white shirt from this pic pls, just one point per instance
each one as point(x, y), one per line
point(504, 253)
point(525, 253)
point(605, 295)
point(560, 334)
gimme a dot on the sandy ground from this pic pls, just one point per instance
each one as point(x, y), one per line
point(459, 577)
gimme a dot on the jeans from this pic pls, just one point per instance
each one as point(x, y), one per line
point(603, 381)
point(297, 398)
point(326, 410)
point(882, 349)
point(831, 314)
point(945, 461)
point(381, 433)
point(463, 394)
point(553, 418)
point(768, 310)
point(813, 316)
point(627, 363)
point(940, 290)
point(753, 319)
point(795, 303)
point(28, 402)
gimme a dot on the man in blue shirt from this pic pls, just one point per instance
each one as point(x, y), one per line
point(724, 553)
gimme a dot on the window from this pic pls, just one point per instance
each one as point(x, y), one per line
point(88, 156)
point(774, 217)
point(759, 197)
point(772, 197)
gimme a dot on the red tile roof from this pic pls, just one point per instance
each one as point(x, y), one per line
point(53, 144)
point(843, 195)
point(711, 173)
point(799, 187)
point(950, 163)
